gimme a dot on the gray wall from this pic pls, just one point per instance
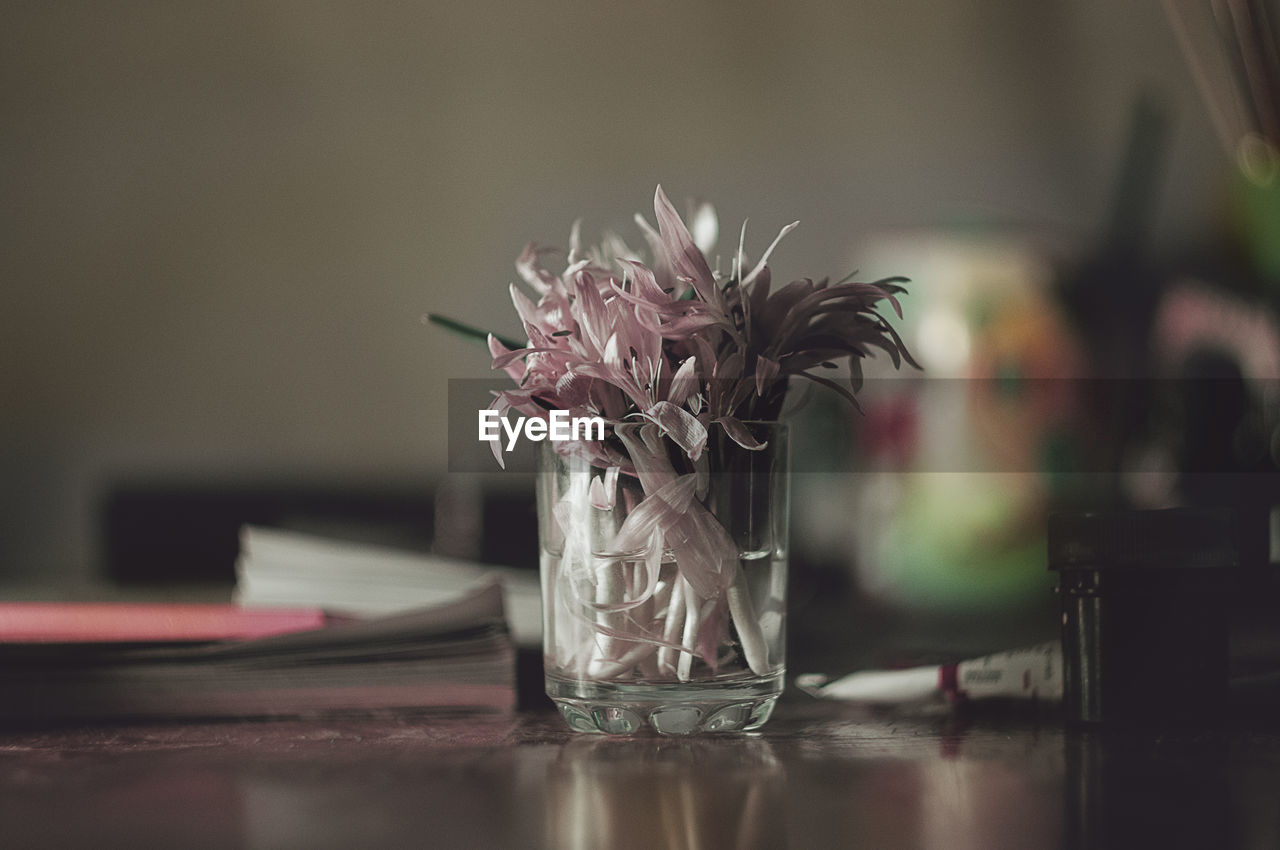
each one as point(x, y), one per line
point(222, 221)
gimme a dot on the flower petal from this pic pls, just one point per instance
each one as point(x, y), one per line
point(515, 369)
point(681, 426)
point(827, 382)
point(740, 434)
point(573, 389)
point(589, 309)
point(766, 371)
point(657, 511)
point(506, 358)
point(502, 405)
point(758, 293)
point(528, 312)
point(529, 267)
point(704, 225)
point(575, 241)
point(685, 258)
point(601, 498)
point(685, 381)
point(764, 258)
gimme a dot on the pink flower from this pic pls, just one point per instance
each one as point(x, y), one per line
point(677, 355)
point(674, 342)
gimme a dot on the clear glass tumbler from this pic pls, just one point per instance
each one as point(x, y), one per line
point(664, 580)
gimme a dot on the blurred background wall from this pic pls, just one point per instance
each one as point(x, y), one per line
point(222, 221)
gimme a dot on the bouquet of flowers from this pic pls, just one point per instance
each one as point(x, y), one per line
point(681, 358)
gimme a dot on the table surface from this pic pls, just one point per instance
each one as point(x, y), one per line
point(819, 775)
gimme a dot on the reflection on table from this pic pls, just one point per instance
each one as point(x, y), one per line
point(819, 775)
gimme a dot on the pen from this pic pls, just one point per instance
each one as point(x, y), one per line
point(1032, 673)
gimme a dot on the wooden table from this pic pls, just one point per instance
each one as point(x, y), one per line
point(819, 775)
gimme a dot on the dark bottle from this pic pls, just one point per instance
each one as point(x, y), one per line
point(1145, 613)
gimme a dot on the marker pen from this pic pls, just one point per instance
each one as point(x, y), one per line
point(1033, 673)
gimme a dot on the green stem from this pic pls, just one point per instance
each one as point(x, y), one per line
point(470, 331)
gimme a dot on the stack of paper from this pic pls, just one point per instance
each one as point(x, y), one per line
point(285, 568)
point(456, 657)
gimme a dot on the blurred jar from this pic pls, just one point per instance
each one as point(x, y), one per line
point(956, 465)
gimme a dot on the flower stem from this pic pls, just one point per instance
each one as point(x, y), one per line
point(692, 619)
point(750, 635)
point(671, 628)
